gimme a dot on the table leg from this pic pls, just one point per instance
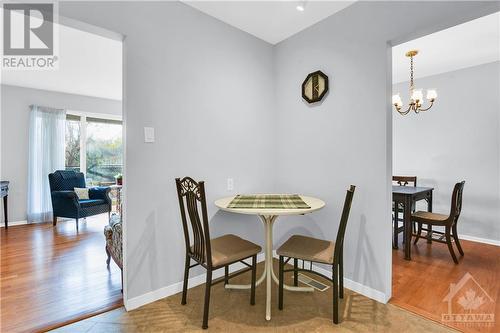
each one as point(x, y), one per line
point(407, 229)
point(268, 273)
point(268, 222)
point(395, 225)
point(5, 211)
point(429, 226)
point(404, 230)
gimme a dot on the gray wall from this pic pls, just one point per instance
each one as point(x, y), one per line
point(458, 139)
point(226, 104)
point(15, 133)
point(346, 139)
point(207, 89)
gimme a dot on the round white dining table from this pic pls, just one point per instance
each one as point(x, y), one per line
point(268, 217)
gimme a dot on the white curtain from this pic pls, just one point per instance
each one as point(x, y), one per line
point(46, 154)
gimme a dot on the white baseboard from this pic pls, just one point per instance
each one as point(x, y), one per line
point(175, 288)
point(13, 223)
point(480, 240)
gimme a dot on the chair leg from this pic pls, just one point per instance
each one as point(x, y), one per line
point(254, 277)
point(54, 220)
point(295, 272)
point(226, 274)
point(280, 289)
point(419, 233)
point(429, 233)
point(208, 286)
point(395, 231)
point(335, 279)
point(457, 241)
point(77, 224)
point(185, 283)
point(341, 275)
point(450, 246)
point(109, 256)
point(121, 270)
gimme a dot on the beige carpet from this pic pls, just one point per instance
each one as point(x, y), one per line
point(231, 311)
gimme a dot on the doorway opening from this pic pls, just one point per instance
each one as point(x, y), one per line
point(456, 72)
point(71, 267)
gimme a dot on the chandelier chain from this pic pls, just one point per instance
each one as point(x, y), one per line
point(411, 73)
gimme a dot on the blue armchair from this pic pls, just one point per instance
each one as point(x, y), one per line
point(65, 202)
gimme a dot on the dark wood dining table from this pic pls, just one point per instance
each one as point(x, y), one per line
point(407, 195)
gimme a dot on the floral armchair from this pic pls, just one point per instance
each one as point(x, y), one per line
point(114, 241)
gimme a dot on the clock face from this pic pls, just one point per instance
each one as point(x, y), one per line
point(314, 87)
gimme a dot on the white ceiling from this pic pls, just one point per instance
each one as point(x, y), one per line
point(271, 21)
point(470, 44)
point(89, 65)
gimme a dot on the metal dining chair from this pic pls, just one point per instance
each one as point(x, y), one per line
point(318, 251)
point(211, 254)
point(449, 222)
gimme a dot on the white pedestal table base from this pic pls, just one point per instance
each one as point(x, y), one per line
point(268, 273)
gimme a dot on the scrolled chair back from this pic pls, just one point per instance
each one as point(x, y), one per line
point(191, 196)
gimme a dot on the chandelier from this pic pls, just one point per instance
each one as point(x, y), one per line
point(416, 95)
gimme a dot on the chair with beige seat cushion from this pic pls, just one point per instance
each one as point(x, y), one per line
point(211, 254)
point(308, 248)
point(449, 222)
point(319, 251)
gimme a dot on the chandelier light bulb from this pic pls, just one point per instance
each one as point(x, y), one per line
point(431, 94)
point(417, 96)
point(396, 100)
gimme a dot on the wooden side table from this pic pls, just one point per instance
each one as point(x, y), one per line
point(4, 193)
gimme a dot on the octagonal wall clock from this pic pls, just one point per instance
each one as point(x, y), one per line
point(315, 87)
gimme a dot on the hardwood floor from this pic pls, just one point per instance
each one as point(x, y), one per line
point(421, 285)
point(230, 311)
point(54, 275)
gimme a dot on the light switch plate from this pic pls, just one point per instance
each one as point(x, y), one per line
point(149, 134)
point(230, 184)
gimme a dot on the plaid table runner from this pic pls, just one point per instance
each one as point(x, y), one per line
point(269, 201)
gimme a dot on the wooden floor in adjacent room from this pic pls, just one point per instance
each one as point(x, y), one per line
point(230, 311)
point(54, 275)
point(421, 285)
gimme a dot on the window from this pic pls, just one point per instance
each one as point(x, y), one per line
point(94, 147)
point(72, 143)
point(104, 150)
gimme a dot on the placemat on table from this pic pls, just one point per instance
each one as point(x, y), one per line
point(268, 201)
